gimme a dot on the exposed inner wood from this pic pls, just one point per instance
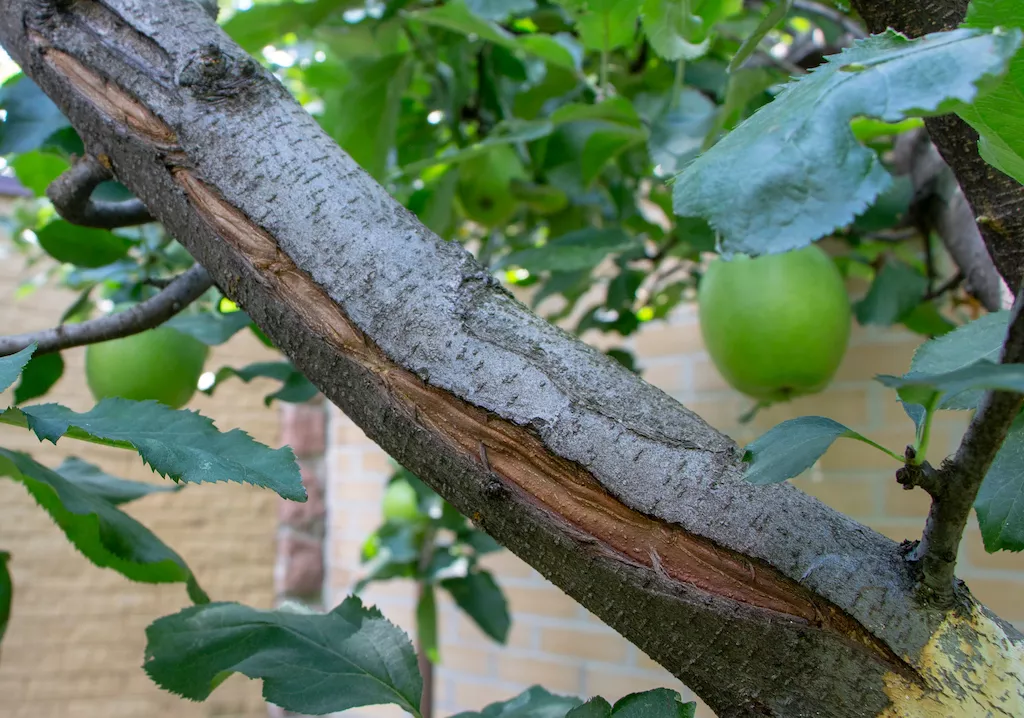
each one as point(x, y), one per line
point(514, 457)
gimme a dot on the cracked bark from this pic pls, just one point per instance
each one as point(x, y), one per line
point(761, 599)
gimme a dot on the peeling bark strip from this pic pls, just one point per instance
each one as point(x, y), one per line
point(761, 599)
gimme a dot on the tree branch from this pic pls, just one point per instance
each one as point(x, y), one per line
point(761, 599)
point(146, 315)
point(956, 485)
point(940, 205)
point(71, 194)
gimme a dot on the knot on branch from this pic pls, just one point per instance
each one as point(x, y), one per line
point(212, 74)
point(42, 12)
point(922, 475)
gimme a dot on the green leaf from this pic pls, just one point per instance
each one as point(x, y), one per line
point(426, 623)
point(534, 702)
point(614, 109)
point(581, 250)
point(309, 663)
point(12, 365)
point(295, 388)
point(1000, 501)
point(181, 445)
point(105, 535)
point(657, 703)
point(980, 340)
point(897, 289)
point(506, 133)
point(82, 246)
point(211, 328)
point(996, 115)
point(775, 15)
point(926, 319)
point(499, 10)
point(677, 128)
point(793, 171)
point(264, 23)
point(6, 593)
point(36, 170)
point(607, 24)
point(604, 145)
point(366, 115)
point(792, 447)
point(596, 707)
point(674, 31)
point(981, 376)
point(480, 597)
point(38, 376)
point(31, 117)
point(109, 488)
point(457, 17)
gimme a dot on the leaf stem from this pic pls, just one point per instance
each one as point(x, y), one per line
point(924, 436)
point(677, 83)
point(875, 444)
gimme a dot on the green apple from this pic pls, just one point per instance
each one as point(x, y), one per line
point(485, 190)
point(160, 364)
point(401, 504)
point(776, 326)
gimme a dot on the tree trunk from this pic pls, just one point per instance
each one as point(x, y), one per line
point(761, 599)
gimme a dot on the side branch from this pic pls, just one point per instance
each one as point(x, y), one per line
point(146, 315)
point(956, 485)
point(71, 194)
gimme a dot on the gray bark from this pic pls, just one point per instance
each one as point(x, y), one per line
point(761, 599)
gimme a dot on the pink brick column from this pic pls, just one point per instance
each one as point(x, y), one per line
point(299, 571)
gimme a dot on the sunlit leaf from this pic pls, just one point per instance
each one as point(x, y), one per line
point(996, 116)
point(82, 246)
point(794, 171)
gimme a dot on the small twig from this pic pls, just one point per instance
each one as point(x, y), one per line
point(848, 24)
point(146, 315)
point(71, 194)
point(159, 282)
point(955, 486)
point(950, 284)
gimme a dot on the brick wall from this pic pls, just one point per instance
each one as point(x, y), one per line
point(75, 643)
point(557, 643)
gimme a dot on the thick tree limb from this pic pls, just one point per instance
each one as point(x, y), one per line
point(941, 206)
point(762, 599)
point(956, 486)
point(996, 199)
point(71, 194)
point(145, 315)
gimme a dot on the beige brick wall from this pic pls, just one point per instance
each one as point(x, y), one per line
point(557, 643)
point(74, 648)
